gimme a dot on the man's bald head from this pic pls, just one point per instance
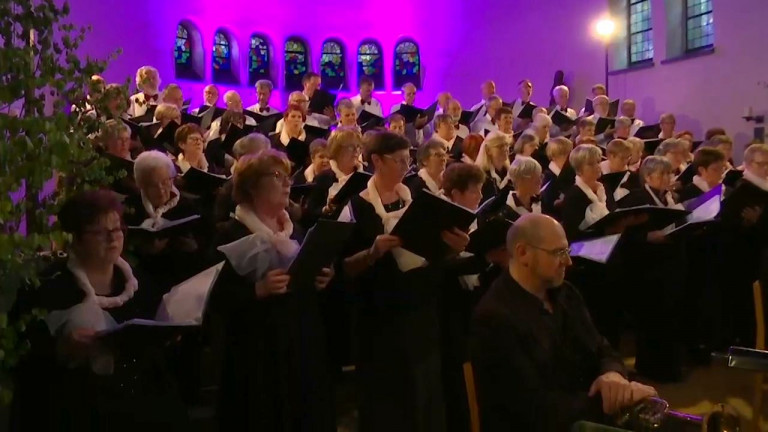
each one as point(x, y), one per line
point(533, 229)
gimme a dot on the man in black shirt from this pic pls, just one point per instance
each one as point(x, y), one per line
point(539, 362)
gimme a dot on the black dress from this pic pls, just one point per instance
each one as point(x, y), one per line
point(141, 393)
point(557, 185)
point(397, 336)
point(274, 373)
point(490, 187)
point(318, 198)
point(416, 185)
point(457, 149)
point(655, 296)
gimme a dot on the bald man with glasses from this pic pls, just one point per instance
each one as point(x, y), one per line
point(539, 362)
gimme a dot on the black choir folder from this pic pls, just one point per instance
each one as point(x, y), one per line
point(200, 182)
point(603, 124)
point(650, 218)
point(320, 248)
point(164, 228)
point(425, 219)
point(597, 250)
point(490, 236)
point(745, 195)
point(526, 113)
point(468, 117)
point(355, 184)
point(321, 100)
point(411, 113)
point(369, 121)
point(611, 181)
point(562, 121)
point(704, 211)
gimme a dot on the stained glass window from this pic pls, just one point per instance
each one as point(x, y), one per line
point(296, 63)
point(187, 55)
point(258, 60)
point(700, 30)
point(407, 64)
point(370, 63)
point(333, 71)
point(640, 31)
point(222, 59)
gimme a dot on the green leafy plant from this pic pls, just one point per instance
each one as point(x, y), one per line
point(46, 154)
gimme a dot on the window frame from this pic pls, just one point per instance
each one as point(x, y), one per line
point(381, 78)
point(252, 78)
point(395, 73)
point(295, 84)
point(194, 70)
point(689, 18)
point(631, 33)
point(221, 76)
point(343, 80)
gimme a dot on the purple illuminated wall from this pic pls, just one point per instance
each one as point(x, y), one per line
point(462, 42)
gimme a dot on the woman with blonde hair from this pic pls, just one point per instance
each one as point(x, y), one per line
point(493, 159)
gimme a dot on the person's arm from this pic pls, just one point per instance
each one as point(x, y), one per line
point(512, 391)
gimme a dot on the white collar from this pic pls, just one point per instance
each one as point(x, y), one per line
point(431, 184)
point(598, 207)
point(755, 180)
point(157, 213)
point(521, 210)
point(256, 226)
point(185, 166)
point(285, 139)
point(621, 192)
point(700, 183)
point(104, 302)
point(309, 173)
point(405, 260)
point(598, 197)
point(554, 168)
point(667, 197)
point(500, 183)
point(340, 176)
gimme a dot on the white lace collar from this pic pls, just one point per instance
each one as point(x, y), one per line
point(621, 192)
point(157, 213)
point(185, 165)
point(431, 183)
point(598, 207)
point(405, 259)
point(755, 180)
point(554, 168)
point(104, 302)
point(700, 183)
point(497, 180)
point(520, 209)
point(285, 138)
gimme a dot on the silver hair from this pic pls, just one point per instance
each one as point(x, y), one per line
point(264, 83)
point(667, 117)
point(584, 154)
point(654, 164)
point(524, 167)
point(407, 85)
point(493, 98)
point(142, 72)
point(601, 98)
point(559, 146)
point(231, 93)
point(425, 150)
point(560, 89)
point(753, 150)
point(720, 139)
point(166, 111)
point(619, 147)
point(669, 145)
point(345, 103)
point(525, 139)
point(149, 161)
point(112, 129)
point(250, 144)
point(623, 122)
point(542, 120)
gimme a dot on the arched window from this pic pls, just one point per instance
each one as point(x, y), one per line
point(187, 56)
point(370, 63)
point(640, 32)
point(259, 59)
point(407, 64)
point(296, 63)
point(223, 59)
point(333, 71)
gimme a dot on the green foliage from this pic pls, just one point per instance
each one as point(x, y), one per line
point(46, 154)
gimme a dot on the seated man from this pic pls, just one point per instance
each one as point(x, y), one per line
point(539, 362)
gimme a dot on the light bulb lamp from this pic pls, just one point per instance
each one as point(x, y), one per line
point(605, 29)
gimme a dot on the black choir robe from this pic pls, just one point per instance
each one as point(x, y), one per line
point(224, 204)
point(397, 336)
point(171, 265)
point(274, 374)
point(655, 295)
point(534, 368)
point(49, 396)
point(557, 185)
point(491, 188)
point(298, 151)
point(318, 198)
point(416, 185)
point(457, 149)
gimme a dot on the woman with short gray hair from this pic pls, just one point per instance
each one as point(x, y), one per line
point(525, 173)
point(586, 201)
point(674, 150)
point(431, 159)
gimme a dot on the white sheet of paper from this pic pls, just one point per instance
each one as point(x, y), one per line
point(186, 301)
point(598, 250)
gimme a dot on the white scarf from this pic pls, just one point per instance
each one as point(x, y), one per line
point(157, 213)
point(185, 166)
point(554, 168)
point(621, 192)
point(340, 177)
point(131, 284)
point(405, 260)
point(598, 208)
point(431, 184)
point(285, 139)
point(755, 180)
point(264, 249)
point(667, 197)
point(521, 210)
point(309, 173)
point(700, 183)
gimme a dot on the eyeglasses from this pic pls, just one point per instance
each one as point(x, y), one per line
point(440, 155)
point(104, 233)
point(400, 161)
point(559, 253)
point(281, 178)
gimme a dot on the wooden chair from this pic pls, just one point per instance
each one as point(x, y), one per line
point(761, 383)
point(474, 411)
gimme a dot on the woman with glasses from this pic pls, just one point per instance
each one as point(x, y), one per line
point(170, 258)
point(619, 153)
point(431, 158)
point(71, 379)
point(493, 159)
point(274, 371)
point(710, 165)
point(344, 148)
point(397, 333)
point(656, 299)
point(189, 140)
point(674, 151)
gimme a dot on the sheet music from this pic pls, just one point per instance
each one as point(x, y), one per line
point(596, 250)
point(186, 301)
